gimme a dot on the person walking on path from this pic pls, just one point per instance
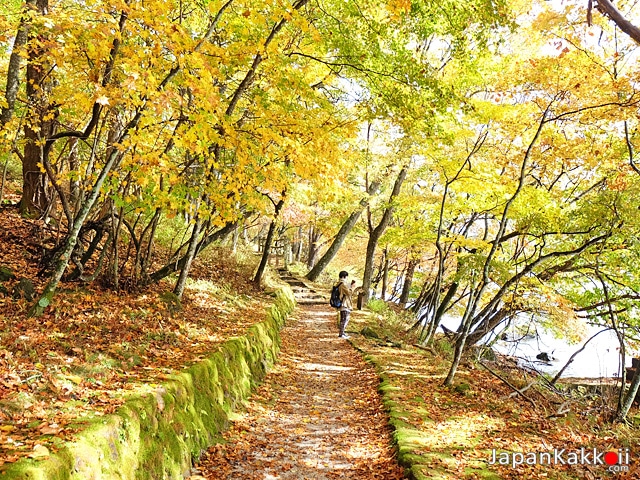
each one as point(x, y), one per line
point(346, 292)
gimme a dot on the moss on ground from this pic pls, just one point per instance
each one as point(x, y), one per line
point(161, 434)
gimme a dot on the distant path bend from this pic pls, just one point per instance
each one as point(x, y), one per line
point(318, 415)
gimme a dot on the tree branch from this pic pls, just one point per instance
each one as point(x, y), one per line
point(607, 8)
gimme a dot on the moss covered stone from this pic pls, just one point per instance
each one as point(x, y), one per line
point(6, 273)
point(161, 434)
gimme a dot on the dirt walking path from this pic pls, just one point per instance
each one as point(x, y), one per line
point(317, 416)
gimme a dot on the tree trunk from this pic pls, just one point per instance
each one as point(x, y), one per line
point(377, 232)
point(629, 397)
point(475, 295)
point(385, 276)
point(341, 236)
point(266, 251)
point(314, 238)
point(422, 298)
point(608, 9)
point(34, 199)
point(298, 248)
point(144, 258)
point(72, 239)
point(432, 321)
point(179, 264)
point(188, 258)
point(235, 239)
point(267, 244)
point(15, 61)
point(489, 324)
point(4, 178)
point(408, 280)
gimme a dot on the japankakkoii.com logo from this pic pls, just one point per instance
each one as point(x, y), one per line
point(614, 460)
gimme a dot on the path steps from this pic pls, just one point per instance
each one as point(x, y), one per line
point(304, 293)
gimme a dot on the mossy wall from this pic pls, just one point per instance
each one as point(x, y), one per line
point(416, 466)
point(159, 435)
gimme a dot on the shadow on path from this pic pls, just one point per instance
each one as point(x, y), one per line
point(317, 416)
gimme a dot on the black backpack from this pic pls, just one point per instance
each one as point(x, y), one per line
point(335, 301)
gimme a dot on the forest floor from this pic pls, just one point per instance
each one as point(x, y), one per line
point(95, 347)
point(318, 415)
point(451, 433)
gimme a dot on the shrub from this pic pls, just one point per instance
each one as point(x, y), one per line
point(377, 306)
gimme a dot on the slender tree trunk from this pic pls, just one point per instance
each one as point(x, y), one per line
point(427, 314)
point(192, 250)
point(476, 293)
point(620, 411)
point(629, 396)
point(34, 199)
point(72, 239)
point(15, 63)
point(396, 289)
point(377, 232)
point(314, 238)
point(420, 302)
point(4, 178)
point(116, 225)
point(298, 251)
point(143, 255)
point(266, 251)
point(408, 281)
point(268, 242)
point(236, 239)
point(575, 354)
point(171, 267)
point(424, 313)
point(451, 291)
point(341, 236)
point(385, 275)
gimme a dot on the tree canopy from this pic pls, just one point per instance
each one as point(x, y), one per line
point(486, 150)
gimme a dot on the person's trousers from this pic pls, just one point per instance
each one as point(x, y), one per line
point(344, 319)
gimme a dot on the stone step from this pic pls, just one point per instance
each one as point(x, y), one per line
point(303, 293)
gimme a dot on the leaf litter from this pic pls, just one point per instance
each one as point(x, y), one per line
point(93, 347)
